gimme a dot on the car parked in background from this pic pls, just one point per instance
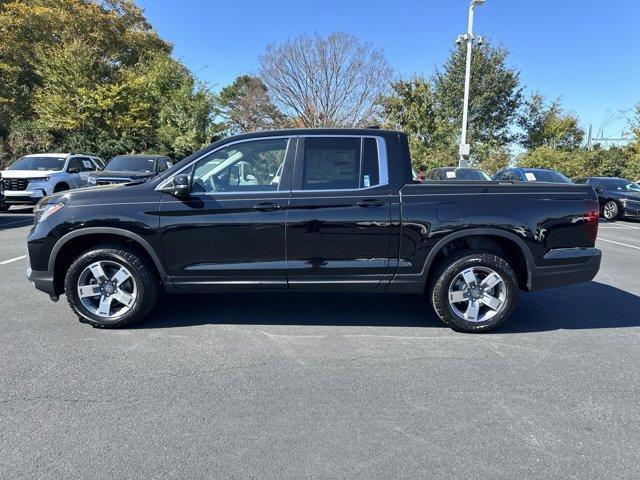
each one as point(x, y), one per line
point(128, 168)
point(618, 197)
point(455, 173)
point(35, 176)
point(517, 174)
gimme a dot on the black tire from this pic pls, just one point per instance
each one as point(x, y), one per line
point(61, 187)
point(611, 210)
point(143, 274)
point(450, 268)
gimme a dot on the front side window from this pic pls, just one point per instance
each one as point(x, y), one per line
point(39, 163)
point(340, 163)
point(251, 166)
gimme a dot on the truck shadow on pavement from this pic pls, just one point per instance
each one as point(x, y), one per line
point(585, 306)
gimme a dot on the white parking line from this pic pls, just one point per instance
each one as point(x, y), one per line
point(619, 243)
point(11, 260)
point(629, 226)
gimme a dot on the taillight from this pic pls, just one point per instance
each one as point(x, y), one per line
point(591, 220)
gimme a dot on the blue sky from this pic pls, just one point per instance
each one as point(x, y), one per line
point(586, 52)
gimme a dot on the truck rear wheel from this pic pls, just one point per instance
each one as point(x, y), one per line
point(473, 291)
point(111, 286)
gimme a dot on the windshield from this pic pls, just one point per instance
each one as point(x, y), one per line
point(469, 174)
point(39, 163)
point(546, 176)
point(620, 185)
point(131, 164)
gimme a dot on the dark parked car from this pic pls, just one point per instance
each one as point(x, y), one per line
point(454, 173)
point(618, 197)
point(127, 168)
point(531, 175)
point(318, 209)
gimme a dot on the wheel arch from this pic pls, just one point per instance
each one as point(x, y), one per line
point(79, 240)
point(509, 245)
point(61, 183)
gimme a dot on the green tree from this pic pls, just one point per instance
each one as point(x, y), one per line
point(245, 106)
point(91, 75)
point(495, 95)
point(430, 110)
point(117, 29)
point(548, 125)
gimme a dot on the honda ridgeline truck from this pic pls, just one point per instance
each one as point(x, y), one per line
point(319, 210)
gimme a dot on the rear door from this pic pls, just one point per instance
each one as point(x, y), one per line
point(338, 221)
point(86, 167)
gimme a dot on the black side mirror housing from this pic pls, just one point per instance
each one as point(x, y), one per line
point(73, 170)
point(180, 186)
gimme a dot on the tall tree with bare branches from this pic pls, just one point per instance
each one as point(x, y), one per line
point(332, 81)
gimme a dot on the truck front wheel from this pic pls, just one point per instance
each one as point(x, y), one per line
point(473, 291)
point(111, 286)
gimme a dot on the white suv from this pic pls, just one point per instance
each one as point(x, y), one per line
point(35, 176)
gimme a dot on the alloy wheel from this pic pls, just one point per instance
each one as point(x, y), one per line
point(610, 210)
point(107, 289)
point(477, 294)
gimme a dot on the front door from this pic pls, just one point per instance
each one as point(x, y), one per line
point(230, 233)
point(338, 222)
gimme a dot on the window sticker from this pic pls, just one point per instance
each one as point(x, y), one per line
point(87, 164)
point(367, 181)
point(530, 176)
point(451, 174)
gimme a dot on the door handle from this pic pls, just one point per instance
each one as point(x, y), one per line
point(266, 207)
point(370, 203)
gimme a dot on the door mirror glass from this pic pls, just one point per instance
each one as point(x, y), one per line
point(180, 186)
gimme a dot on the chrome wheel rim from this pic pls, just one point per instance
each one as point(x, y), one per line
point(610, 210)
point(107, 289)
point(477, 294)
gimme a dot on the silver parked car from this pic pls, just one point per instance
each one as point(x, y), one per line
point(35, 176)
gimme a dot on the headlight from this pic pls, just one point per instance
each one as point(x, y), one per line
point(39, 180)
point(91, 180)
point(44, 211)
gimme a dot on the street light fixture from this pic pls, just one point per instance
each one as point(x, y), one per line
point(465, 149)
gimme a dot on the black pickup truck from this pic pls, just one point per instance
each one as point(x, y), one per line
point(321, 209)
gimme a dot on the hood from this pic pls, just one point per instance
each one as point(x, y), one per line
point(27, 173)
point(123, 174)
point(102, 194)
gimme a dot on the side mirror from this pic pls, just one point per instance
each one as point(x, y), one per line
point(598, 188)
point(73, 170)
point(180, 186)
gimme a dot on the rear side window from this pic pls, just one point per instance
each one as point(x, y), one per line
point(340, 163)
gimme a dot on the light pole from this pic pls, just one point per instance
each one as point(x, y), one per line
point(465, 149)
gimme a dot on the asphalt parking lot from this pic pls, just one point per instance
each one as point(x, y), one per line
point(323, 386)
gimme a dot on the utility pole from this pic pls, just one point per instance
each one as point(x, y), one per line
point(465, 148)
